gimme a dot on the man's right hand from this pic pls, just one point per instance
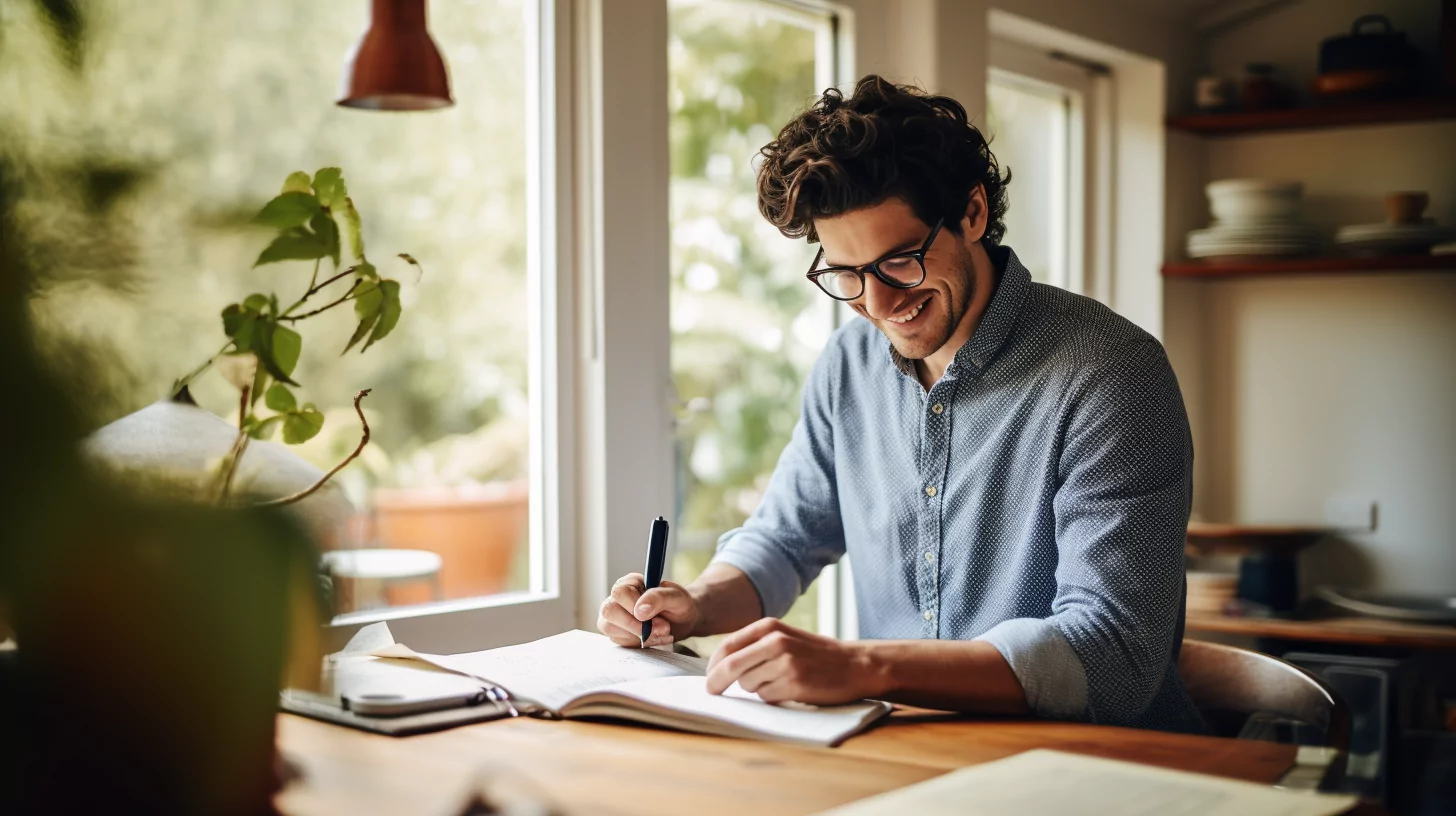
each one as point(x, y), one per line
point(673, 611)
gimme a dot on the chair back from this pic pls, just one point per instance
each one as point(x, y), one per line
point(1227, 679)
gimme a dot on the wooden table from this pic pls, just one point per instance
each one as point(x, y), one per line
point(1353, 630)
point(602, 768)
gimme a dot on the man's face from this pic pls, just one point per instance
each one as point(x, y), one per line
point(917, 321)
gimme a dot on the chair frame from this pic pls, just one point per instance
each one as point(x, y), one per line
point(1219, 677)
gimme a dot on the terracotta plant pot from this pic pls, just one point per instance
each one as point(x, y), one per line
point(475, 530)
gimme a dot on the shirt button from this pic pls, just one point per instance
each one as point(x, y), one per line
point(930, 490)
point(928, 614)
point(929, 557)
point(937, 408)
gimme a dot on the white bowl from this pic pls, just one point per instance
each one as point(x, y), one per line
point(1251, 201)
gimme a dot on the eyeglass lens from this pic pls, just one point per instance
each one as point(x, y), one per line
point(848, 285)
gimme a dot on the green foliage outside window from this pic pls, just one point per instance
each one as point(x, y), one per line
point(746, 325)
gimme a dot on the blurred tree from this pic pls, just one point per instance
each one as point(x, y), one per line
point(746, 324)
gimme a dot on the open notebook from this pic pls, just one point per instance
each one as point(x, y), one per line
point(580, 674)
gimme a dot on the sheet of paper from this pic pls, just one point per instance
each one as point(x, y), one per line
point(1053, 783)
point(821, 724)
point(553, 670)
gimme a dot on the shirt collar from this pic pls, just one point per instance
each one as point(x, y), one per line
point(1012, 284)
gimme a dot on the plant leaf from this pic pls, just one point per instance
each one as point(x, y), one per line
point(255, 302)
point(328, 185)
point(260, 384)
point(389, 312)
point(277, 348)
point(410, 259)
point(288, 210)
point(280, 399)
point(295, 245)
point(328, 233)
point(354, 228)
point(287, 346)
point(302, 425)
point(238, 368)
point(297, 182)
point(366, 271)
point(262, 429)
point(367, 306)
point(240, 323)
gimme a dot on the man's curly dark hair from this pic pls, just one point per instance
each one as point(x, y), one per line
point(884, 141)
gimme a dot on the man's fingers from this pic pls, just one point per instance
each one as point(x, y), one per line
point(627, 590)
point(734, 666)
point(669, 598)
point(743, 638)
point(613, 613)
point(764, 673)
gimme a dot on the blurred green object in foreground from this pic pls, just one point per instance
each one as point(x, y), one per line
point(153, 635)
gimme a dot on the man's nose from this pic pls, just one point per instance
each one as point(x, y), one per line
point(880, 300)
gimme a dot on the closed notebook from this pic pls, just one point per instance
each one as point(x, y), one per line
point(580, 674)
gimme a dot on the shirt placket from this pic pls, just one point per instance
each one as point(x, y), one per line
point(935, 447)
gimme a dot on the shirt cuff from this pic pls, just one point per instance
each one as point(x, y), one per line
point(1050, 672)
point(770, 572)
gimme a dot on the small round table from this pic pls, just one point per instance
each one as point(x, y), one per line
point(385, 566)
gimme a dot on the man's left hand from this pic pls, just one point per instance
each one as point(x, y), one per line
point(781, 663)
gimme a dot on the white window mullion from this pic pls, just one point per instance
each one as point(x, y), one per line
point(626, 460)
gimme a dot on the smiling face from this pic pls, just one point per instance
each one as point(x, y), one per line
point(932, 316)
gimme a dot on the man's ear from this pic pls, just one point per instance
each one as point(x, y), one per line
point(973, 224)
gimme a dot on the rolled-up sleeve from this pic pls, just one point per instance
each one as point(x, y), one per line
point(796, 530)
point(1121, 508)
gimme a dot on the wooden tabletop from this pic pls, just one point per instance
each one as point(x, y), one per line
point(603, 768)
point(1356, 630)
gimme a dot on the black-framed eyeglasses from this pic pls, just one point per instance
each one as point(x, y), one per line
point(902, 270)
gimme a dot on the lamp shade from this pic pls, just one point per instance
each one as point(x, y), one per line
point(396, 65)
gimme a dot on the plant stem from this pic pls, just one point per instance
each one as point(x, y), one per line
point(322, 309)
point(313, 280)
point(309, 491)
point(235, 456)
point(187, 380)
point(314, 289)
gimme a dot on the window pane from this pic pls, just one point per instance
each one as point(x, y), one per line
point(220, 101)
point(1029, 129)
point(746, 324)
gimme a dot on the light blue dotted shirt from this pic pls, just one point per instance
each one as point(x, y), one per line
point(1035, 498)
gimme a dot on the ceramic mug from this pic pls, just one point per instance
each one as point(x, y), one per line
point(1406, 207)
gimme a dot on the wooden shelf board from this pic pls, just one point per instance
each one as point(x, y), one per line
point(1366, 631)
point(1239, 267)
point(1373, 112)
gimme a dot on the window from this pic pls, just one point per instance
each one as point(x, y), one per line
point(746, 325)
point(224, 99)
point(1045, 126)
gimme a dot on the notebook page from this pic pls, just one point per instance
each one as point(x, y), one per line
point(822, 725)
point(1053, 783)
point(553, 670)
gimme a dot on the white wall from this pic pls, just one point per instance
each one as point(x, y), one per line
point(1315, 387)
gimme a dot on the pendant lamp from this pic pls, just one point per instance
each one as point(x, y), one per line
point(396, 66)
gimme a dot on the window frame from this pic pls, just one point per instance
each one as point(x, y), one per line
point(1089, 195)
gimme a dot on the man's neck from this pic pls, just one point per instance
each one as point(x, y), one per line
point(983, 272)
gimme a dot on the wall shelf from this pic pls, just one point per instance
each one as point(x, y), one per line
point(1250, 267)
point(1414, 109)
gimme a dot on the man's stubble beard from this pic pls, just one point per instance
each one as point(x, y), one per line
point(954, 313)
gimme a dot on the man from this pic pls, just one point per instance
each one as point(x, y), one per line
point(1010, 473)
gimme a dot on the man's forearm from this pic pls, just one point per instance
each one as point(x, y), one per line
point(726, 600)
point(950, 675)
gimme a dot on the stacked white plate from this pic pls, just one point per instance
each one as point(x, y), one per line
point(1392, 238)
point(1254, 217)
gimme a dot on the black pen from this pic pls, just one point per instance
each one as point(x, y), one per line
point(652, 574)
